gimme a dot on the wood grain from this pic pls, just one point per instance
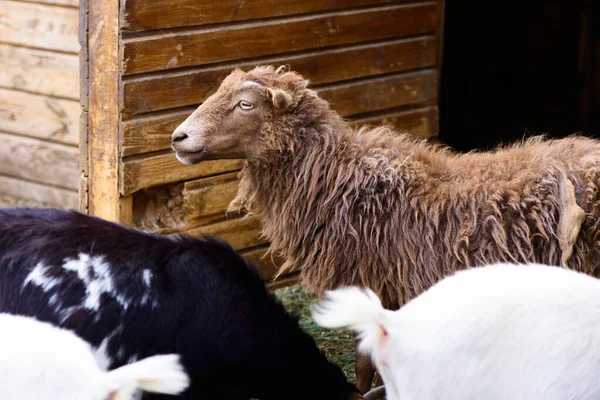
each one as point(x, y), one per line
point(39, 25)
point(141, 14)
point(420, 122)
point(382, 93)
point(203, 46)
point(209, 196)
point(159, 169)
point(70, 3)
point(39, 71)
point(41, 194)
point(175, 90)
point(39, 162)
point(103, 109)
point(39, 116)
point(241, 233)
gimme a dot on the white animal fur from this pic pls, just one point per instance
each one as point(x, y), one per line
point(40, 361)
point(500, 332)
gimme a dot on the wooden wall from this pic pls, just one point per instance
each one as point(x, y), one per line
point(374, 60)
point(39, 101)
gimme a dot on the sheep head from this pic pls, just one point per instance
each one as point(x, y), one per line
point(230, 122)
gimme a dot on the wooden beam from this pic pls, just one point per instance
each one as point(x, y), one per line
point(103, 108)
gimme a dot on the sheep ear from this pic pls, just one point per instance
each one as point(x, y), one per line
point(280, 99)
point(282, 69)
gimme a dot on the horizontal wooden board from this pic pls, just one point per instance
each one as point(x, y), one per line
point(40, 162)
point(39, 25)
point(141, 14)
point(39, 71)
point(139, 173)
point(39, 116)
point(193, 87)
point(153, 133)
point(39, 194)
point(71, 3)
point(420, 122)
point(360, 97)
point(267, 266)
point(241, 233)
point(282, 281)
point(209, 196)
point(203, 46)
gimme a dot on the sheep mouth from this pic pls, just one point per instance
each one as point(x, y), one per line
point(191, 157)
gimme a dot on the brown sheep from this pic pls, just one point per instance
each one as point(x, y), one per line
point(383, 210)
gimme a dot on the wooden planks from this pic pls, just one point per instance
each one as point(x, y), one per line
point(69, 3)
point(209, 196)
point(141, 14)
point(159, 169)
point(39, 25)
point(39, 71)
point(203, 46)
point(241, 233)
point(39, 116)
point(420, 122)
point(266, 264)
point(39, 162)
point(40, 194)
point(193, 87)
point(381, 93)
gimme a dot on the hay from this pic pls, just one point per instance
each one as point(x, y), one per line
point(337, 344)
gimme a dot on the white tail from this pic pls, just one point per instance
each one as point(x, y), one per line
point(354, 308)
point(158, 374)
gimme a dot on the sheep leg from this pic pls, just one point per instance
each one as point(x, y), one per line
point(570, 220)
point(364, 369)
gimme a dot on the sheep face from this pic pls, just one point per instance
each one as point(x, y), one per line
point(228, 124)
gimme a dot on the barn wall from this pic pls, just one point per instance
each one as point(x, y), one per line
point(374, 60)
point(39, 101)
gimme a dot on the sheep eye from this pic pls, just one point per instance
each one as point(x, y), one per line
point(245, 105)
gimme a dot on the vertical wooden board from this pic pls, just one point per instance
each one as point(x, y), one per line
point(39, 116)
point(141, 14)
point(39, 71)
point(176, 50)
point(40, 162)
point(39, 25)
point(103, 108)
point(41, 194)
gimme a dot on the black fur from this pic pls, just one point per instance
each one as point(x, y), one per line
point(205, 303)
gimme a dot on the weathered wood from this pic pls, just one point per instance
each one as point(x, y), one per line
point(141, 14)
point(38, 161)
point(39, 71)
point(71, 3)
point(103, 108)
point(420, 122)
point(174, 90)
point(39, 116)
point(153, 133)
point(159, 169)
point(241, 233)
point(209, 196)
point(266, 264)
point(41, 194)
point(39, 25)
point(364, 96)
point(176, 50)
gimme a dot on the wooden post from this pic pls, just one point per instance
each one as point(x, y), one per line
point(103, 109)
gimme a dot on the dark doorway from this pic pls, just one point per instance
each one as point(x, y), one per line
point(512, 69)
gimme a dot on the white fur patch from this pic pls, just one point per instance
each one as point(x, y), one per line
point(37, 277)
point(147, 276)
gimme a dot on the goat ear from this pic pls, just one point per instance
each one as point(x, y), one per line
point(280, 99)
point(282, 69)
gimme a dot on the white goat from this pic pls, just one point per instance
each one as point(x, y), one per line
point(40, 361)
point(500, 332)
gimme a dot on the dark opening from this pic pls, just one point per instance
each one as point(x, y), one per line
point(518, 68)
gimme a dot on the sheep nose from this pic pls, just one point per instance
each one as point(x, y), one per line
point(178, 137)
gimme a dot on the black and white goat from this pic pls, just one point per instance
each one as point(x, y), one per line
point(133, 295)
point(41, 361)
point(501, 332)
